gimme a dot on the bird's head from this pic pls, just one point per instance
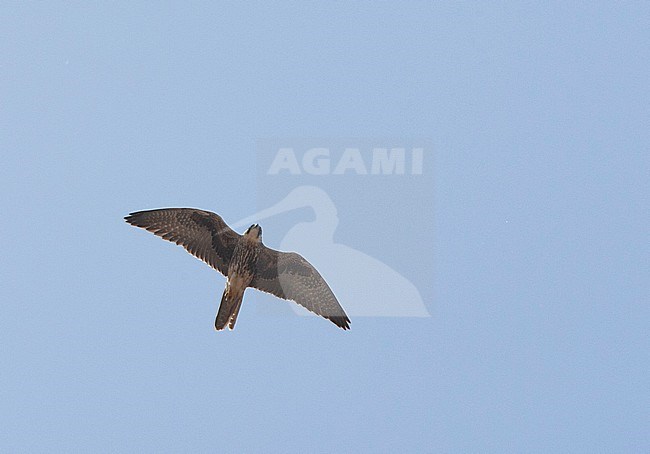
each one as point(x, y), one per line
point(254, 232)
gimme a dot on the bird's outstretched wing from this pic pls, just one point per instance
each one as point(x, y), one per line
point(204, 234)
point(289, 276)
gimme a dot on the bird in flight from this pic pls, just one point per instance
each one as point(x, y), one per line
point(244, 260)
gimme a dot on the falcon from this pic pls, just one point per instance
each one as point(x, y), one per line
point(244, 260)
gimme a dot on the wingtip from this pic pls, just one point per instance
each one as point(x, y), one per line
point(134, 217)
point(140, 213)
point(341, 322)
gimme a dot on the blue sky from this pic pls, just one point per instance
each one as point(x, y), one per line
point(535, 268)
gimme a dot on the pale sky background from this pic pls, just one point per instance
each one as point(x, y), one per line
point(539, 118)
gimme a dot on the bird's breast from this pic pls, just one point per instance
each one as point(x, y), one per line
point(244, 260)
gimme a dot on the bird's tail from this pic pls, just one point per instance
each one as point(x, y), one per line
point(229, 309)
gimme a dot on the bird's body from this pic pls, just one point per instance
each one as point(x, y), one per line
point(240, 274)
point(244, 260)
